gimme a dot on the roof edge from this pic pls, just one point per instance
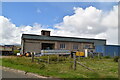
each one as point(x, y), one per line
point(65, 37)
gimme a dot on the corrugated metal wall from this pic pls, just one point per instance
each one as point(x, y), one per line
point(108, 50)
point(100, 49)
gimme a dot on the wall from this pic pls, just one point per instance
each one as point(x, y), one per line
point(35, 45)
point(111, 50)
point(100, 49)
point(108, 50)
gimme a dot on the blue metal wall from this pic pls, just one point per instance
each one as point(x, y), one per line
point(100, 49)
point(108, 50)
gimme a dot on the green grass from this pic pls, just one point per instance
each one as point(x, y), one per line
point(0, 61)
point(104, 68)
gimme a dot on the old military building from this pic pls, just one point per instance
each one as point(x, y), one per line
point(36, 43)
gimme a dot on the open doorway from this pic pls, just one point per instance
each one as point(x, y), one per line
point(48, 46)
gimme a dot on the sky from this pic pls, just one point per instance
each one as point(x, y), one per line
point(45, 13)
point(74, 19)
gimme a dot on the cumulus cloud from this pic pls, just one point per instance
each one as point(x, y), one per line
point(91, 23)
point(84, 23)
point(11, 34)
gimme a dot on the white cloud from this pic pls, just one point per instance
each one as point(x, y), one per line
point(91, 23)
point(111, 19)
point(82, 19)
point(11, 34)
point(85, 23)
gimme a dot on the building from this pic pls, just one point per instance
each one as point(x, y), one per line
point(17, 47)
point(108, 50)
point(8, 49)
point(36, 43)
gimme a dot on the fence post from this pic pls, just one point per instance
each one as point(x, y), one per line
point(38, 60)
point(58, 57)
point(114, 54)
point(74, 63)
point(79, 57)
point(98, 56)
point(119, 69)
point(48, 59)
point(32, 57)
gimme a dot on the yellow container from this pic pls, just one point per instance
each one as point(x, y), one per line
point(80, 53)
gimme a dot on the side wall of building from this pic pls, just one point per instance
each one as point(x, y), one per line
point(108, 50)
point(36, 45)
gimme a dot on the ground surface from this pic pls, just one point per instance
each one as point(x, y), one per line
point(104, 68)
point(10, 74)
point(13, 73)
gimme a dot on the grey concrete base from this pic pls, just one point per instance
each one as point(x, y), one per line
point(13, 73)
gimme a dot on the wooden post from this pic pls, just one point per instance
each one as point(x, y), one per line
point(38, 61)
point(48, 59)
point(85, 66)
point(74, 63)
point(119, 69)
point(32, 57)
point(114, 54)
point(58, 57)
point(98, 56)
point(79, 57)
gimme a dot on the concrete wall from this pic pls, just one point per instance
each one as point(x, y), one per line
point(35, 45)
point(32, 47)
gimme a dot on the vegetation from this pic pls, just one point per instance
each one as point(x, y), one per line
point(107, 57)
point(55, 58)
point(104, 68)
point(116, 58)
point(16, 51)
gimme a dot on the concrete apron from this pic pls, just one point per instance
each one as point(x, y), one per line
point(21, 72)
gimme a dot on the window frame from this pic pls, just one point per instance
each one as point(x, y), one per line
point(62, 46)
point(75, 46)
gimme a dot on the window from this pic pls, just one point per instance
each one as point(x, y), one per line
point(62, 46)
point(87, 46)
point(75, 46)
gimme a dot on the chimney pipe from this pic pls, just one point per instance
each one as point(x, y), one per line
point(45, 33)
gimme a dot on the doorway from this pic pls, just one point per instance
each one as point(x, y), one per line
point(48, 46)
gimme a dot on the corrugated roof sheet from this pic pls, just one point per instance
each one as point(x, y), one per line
point(60, 38)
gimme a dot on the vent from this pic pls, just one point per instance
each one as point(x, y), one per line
point(45, 33)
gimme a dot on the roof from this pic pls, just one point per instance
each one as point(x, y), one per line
point(45, 31)
point(61, 38)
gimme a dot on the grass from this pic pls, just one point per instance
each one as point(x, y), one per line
point(104, 68)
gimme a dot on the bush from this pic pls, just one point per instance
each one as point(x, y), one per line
point(53, 58)
point(43, 57)
point(16, 51)
point(116, 58)
point(107, 57)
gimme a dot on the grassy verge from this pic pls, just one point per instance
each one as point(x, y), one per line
point(105, 68)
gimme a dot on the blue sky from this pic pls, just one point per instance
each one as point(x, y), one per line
point(45, 13)
point(88, 23)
